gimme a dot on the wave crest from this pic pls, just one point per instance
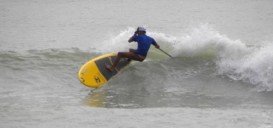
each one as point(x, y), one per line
point(232, 58)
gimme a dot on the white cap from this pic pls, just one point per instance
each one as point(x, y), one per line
point(141, 29)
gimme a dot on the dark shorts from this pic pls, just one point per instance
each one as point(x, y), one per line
point(139, 54)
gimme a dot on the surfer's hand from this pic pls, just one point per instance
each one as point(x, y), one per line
point(157, 46)
point(132, 38)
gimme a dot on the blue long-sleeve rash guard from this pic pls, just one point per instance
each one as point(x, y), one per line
point(144, 43)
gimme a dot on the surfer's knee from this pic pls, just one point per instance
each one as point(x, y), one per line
point(141, 60)
point(120, 54)
point(123, 54)
point(132, 50)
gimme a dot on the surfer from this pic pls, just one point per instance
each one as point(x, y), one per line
point(144, 42)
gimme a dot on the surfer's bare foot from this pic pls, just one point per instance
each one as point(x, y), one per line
point(108, 67)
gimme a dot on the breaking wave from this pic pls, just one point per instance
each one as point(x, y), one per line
point(232, 58)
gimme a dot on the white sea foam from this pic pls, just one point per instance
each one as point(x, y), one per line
point(233, 57)
point(118, 42)
point(255, 68)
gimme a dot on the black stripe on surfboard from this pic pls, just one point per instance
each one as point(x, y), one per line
point(110, 60)
point(101, 66)
point(122, 63)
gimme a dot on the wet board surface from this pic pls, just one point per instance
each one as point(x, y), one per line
point(93, 73)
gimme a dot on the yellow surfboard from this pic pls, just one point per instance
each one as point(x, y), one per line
point(93, 73)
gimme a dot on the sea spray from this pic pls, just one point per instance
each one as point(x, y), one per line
point(120, 41)
point(233, 58)
point(255, 68)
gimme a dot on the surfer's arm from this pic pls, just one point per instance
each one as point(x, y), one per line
point(155, 44)
point(132, 38)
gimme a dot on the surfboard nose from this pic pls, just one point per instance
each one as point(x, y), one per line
point(94, 74)
point(81, 78)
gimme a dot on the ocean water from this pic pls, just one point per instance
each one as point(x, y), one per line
point(221, 75)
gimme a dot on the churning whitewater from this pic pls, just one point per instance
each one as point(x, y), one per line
point(232, 58)
point(238, 61)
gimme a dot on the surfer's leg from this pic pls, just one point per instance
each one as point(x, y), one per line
point(129, 55)
point(120, 55)
point(135, 56)
point(133, 51)
point(116, 62)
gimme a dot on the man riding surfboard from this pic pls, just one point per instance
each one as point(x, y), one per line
point(144, 42)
